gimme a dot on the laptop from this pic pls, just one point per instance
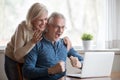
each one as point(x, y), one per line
point(96, 64)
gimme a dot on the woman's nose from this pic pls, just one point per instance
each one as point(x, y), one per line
point(44, 22)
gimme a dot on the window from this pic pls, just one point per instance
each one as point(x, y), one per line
point(81, 15)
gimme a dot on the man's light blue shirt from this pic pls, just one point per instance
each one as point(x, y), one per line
point(45, 55)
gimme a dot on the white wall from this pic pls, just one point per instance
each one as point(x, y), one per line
point(118, 16)
point(2, 72)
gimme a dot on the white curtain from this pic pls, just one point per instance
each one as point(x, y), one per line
point(82, 16)
point(113, 30)
point(88, 17)
point(93, 16)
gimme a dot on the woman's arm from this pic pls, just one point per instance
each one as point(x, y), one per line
point(21, 45)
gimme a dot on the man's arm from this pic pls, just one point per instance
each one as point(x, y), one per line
point(75, 58)
point(29, 68)
point(31, 71)
point(74, 53)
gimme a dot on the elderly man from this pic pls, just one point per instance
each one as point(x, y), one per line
point(47, 60)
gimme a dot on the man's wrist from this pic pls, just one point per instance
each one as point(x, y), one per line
point(50, 71)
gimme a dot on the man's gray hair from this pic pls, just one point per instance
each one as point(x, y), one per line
point(55, 15)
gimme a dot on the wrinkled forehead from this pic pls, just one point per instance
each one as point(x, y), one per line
point(58, 21)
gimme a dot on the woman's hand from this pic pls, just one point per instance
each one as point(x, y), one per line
point(37, 36)
point(67, 43)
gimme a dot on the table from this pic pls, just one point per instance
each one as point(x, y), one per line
point(114, 76)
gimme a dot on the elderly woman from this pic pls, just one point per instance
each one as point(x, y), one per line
point(27, 34)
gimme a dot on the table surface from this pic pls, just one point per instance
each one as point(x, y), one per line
point(114, 76)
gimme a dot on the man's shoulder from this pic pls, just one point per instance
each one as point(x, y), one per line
point(62, 43)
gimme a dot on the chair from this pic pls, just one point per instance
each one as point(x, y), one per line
point(19, 67)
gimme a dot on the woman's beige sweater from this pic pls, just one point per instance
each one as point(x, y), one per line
point(20, 43)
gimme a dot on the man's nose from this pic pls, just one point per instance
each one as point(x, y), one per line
point(60, 29)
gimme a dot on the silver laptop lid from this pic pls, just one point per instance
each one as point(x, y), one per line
point(97, 64)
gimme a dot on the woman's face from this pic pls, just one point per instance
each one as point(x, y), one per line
point(40, 22)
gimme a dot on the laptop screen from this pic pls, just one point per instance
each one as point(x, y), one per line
point(97, 64)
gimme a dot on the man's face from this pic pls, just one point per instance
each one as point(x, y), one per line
point(56, 28)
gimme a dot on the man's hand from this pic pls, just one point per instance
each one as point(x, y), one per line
point(75, 62)
point(58, 68)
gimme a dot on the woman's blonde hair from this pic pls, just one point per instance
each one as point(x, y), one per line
point(36, 10)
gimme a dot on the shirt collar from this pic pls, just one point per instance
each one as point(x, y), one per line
point(56, 42)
